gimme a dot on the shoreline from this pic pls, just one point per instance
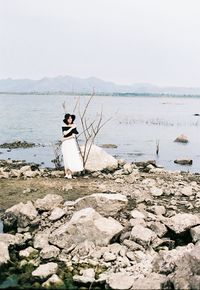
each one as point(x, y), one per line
point(155, 212)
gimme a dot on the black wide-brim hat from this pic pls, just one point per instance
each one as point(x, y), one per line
point(67, 116)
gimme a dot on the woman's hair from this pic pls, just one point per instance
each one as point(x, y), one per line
point(66, 117)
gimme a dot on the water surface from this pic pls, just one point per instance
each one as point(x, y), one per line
point(137, 124)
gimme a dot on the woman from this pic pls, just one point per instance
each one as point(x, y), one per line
point(71, 154)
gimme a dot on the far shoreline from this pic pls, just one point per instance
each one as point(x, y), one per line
point(60, 93)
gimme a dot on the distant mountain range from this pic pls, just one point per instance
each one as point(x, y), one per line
point(74, 85)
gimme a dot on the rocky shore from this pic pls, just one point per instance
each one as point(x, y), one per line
point(137, 226)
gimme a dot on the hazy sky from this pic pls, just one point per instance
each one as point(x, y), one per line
point(125, 41)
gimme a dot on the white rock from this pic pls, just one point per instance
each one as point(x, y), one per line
point(128, 167)
point(26, 253)
point(49, 252)
point(27, 213)
point(21, 213)
point(40, 240)
point(49, 202)
point(153, 281)
point(31, 173)
point(195, 233)
point(120, 281)
point(57, 173)
point(4, 253)
point(109, 257)
point(187, 191)
point(119, 180)
point(25, 168)
point(86, 224)
point(56, 214)
point(103, 203)
point(156, 191)
point(8, 239)
point(181, 222)
point(159, 228)
point(87, 276)
point(99, 159)
point(131, 178)
point(182, 139)
point(142, 235)
point(45, 270)
point(136, 214)
point(53, 281)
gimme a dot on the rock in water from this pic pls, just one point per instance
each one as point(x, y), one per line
point(183, 161)
point(86, 224)
point(99, 159)
point(105, 204)
point(182, 139)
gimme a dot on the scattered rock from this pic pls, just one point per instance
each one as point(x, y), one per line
point(142, 235)
point(156, 191)
point(87, 276)
point(153, 281)
point(49, 252)
point(53, 281)
point(120, 281)
point(56, 214)
point(28, 252)
point(181, 222)
point(195, 233)
point(187, 191)
point(4, 254)
point(105, 204)
point(45, 270)
point(49, 202)
point(41, 240)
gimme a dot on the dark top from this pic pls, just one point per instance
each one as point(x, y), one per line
point(66, 128)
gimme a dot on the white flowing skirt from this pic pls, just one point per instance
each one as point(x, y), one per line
point(71, 155)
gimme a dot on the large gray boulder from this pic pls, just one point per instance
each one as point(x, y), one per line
point(181, 222)
point(187, 272)
point(27, 214)
point(99, 159)
point(49, 202)
point(20, 214)
point(86, 224)
point(103, 203)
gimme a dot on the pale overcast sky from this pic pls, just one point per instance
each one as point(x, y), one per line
point(125, 41)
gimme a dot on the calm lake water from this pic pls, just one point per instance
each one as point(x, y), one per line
point(137, 123)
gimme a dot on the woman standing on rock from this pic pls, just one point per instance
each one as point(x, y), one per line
point(73, 161)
